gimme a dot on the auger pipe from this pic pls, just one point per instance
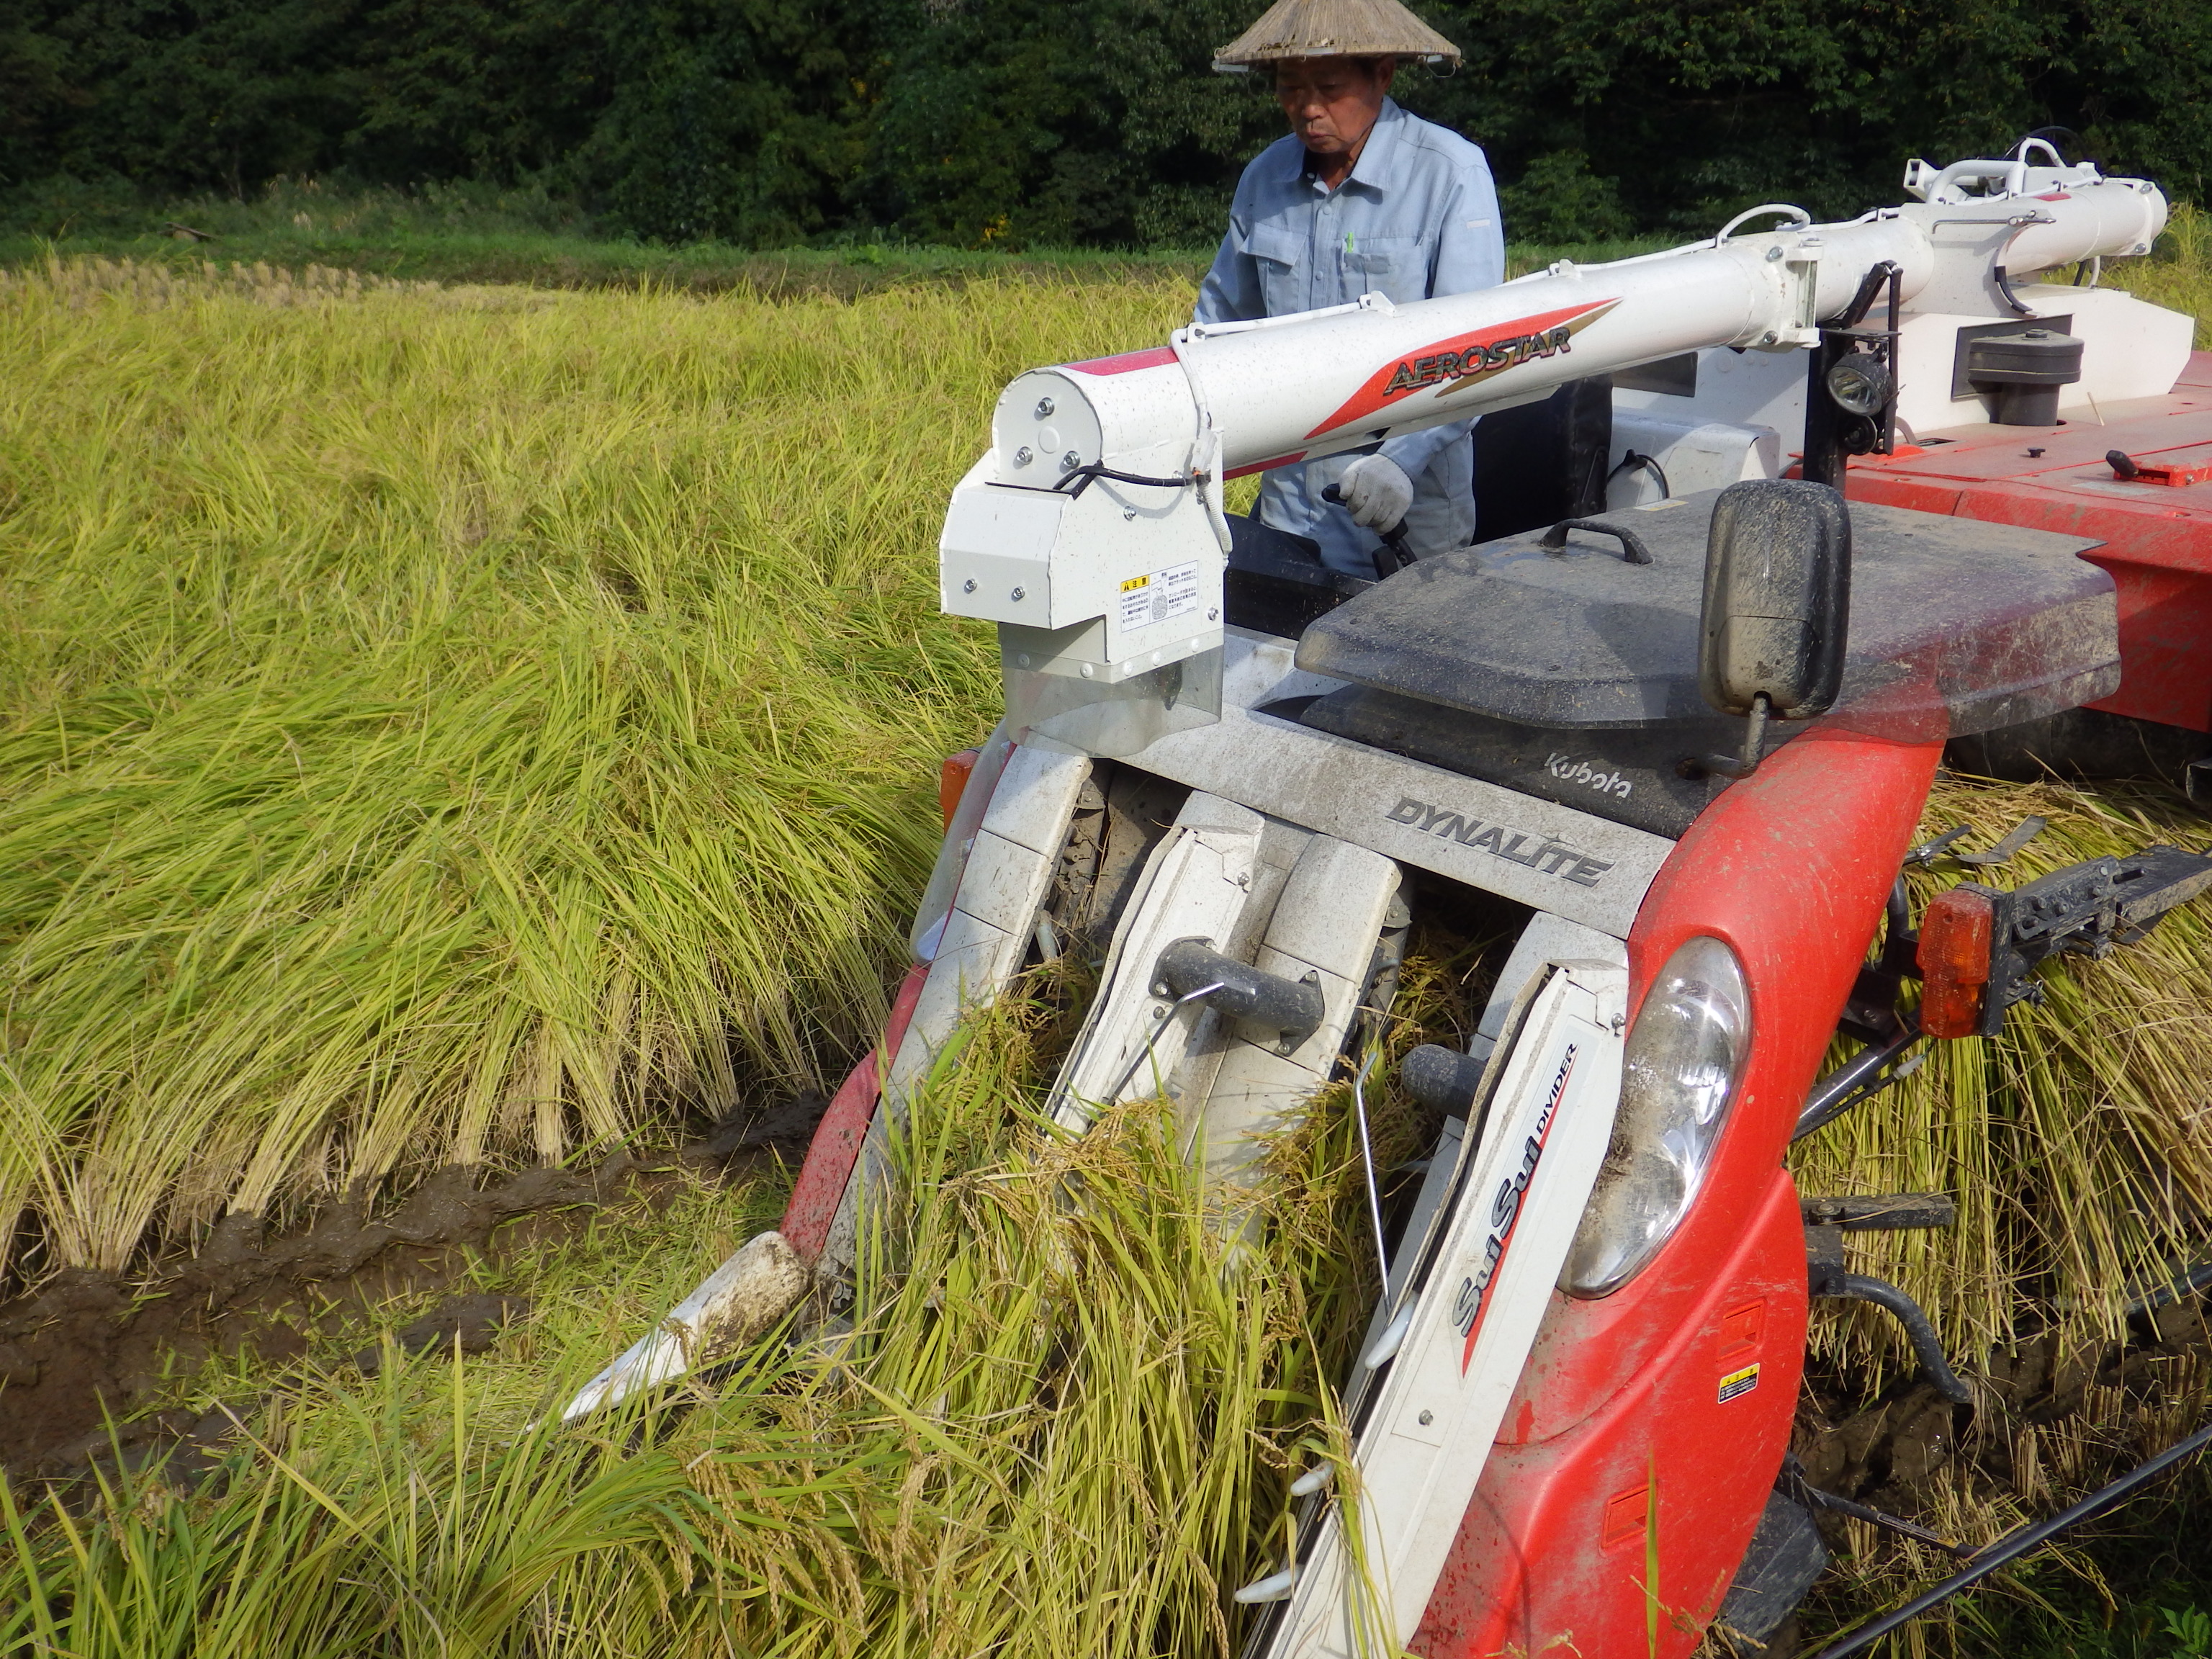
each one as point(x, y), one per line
point(1290, 389)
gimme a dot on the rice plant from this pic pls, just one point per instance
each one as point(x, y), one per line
point(2078, 1143)
point(78, 282)
point(1064, 1424)
point(447, 728)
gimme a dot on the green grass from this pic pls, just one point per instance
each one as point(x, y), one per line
point(474, 234)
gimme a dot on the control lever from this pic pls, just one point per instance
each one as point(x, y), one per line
point(2128, 470)
point(1395, 555)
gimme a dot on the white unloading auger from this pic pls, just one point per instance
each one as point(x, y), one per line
point(1090, 531)
point(1093, 532)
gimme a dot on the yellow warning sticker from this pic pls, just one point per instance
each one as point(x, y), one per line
point(1136, 582)
point(1737, 1383)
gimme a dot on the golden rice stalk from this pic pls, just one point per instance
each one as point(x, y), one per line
point(435, 732)
point(2078, 1143)
point(1060, 1423)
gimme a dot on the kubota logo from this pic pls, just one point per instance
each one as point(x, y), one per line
point(1568, 769)
point(1465, 359)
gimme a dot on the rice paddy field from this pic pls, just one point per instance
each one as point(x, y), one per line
point(488, 729)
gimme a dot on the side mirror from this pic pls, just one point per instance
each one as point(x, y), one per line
point(1777, 604)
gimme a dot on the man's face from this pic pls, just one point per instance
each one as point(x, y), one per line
point(1331, 102)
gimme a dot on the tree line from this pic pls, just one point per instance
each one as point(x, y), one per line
point(1045, 122)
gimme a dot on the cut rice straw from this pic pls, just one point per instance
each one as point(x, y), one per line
point(2078, 1143)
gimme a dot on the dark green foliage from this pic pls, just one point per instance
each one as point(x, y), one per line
point(1699, 107)
point(1098, 123)
point(1066, 122)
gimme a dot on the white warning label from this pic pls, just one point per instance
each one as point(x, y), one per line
point(1159, 597)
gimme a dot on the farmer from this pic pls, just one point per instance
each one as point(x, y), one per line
point(1361, 198)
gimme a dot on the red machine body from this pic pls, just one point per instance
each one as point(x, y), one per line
point(1620, 1454)
point(1613, 1516)
point(1650, 1424)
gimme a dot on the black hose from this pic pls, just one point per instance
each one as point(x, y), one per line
point(2012, 1547)
point(1084, 477)
point(1926, 1347)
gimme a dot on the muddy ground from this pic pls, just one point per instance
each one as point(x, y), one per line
point(2046, 1423)
point(88, 1347)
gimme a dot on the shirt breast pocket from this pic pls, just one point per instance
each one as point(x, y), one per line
point(1395, 265)
point(1281, 253)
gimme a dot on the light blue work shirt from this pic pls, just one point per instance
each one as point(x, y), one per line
point(1417, 218)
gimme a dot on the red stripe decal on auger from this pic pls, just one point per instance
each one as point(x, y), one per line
point(1465, 359)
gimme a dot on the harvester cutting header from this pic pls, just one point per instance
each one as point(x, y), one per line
point(1676, 714)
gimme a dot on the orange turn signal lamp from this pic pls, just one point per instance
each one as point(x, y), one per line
point(952, 775)
point(1955, 934)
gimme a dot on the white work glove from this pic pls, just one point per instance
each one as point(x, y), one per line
point(1376, 491)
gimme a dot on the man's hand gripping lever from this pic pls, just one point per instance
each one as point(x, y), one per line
point(1377, 492)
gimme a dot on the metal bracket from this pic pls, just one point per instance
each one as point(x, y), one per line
point(1793, 1484)
point(2022, 833)
point(2085, 909)
point(1804, 264)
point(1191, 970)
point(1832, 433)
point(1861, 1212)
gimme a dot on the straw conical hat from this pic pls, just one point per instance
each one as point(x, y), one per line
point(1336, 28)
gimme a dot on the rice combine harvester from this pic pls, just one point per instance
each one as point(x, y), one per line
point(1677, 717)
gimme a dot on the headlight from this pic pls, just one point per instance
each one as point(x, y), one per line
point(1678, 1077)
point(1859, 384)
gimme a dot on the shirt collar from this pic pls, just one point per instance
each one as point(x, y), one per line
point(1374, 167)
point(1377, 155)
